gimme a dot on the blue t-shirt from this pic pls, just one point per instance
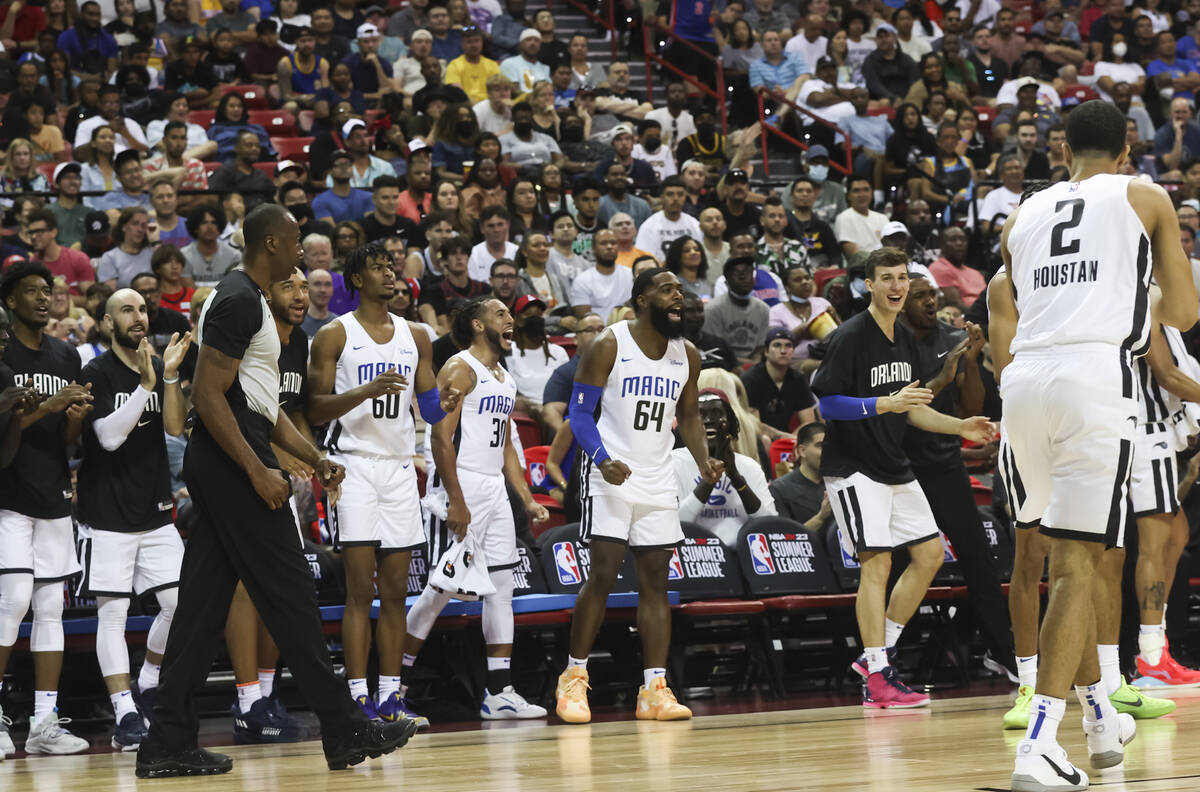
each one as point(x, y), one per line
point(451, 156)
point(363, 74)
point(692, 20)
point(449, 48)
point(1187, 48)
point(562, 381)
point(82, 51)
point(354, 206)
point(1180, 68)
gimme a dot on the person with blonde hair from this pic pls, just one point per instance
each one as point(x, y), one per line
point(746, 441)
point(20, 172)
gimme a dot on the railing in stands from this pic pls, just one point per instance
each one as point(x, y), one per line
point(650, 37)
point(609, 24)
point(765, 127)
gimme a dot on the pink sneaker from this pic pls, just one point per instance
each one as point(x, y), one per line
point(884, 690)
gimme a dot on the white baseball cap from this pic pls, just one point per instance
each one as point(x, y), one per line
point(894, 227)
point(351, 125)
point(530, 33)
point(368, 30)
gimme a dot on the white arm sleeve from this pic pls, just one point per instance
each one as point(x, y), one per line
point(112, 429)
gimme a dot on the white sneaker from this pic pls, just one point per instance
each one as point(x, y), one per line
point(1106, 744)
point(1044, 767)
point(6, 744)
point(507, 705)
point(47, 736)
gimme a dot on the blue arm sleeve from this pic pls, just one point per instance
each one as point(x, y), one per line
point(582, 412)
point(845, 408)
point(430, 403)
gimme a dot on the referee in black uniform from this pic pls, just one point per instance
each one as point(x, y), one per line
point(245, 529)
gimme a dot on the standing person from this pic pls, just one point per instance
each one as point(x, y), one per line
point(474, 455)
point(868, 395)
point(36, 536)
point(245, 529)
point(642, 375)
point(1076, 328)
point(128, 543)
point(364, 370)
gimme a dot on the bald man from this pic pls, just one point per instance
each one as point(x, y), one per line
point(245, 529)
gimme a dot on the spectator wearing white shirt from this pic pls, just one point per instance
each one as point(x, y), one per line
point(605, 286)
point(858, 227)
point(650, 149)
point(533, 358)
point(199, 146)
point(494, 114)
point(810, 45)
point(495, 223)
point(998, 204)
point(675, 119)
point(822, 97)
point(129, 132)
point(668, 224)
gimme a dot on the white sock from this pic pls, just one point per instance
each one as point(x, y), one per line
point(891, 632)
point(651, 674)
point(1027, 671)
point(44, 703)
point(248, 693)
point(498, 663)
point(1151, 640)
point(1094, 700)
point(387, 686)
point(266, 681)
point(876, 659)
point(572, 662)
point(1110, 667)
point(122, 704)
point(1045, 713)
point(358, 687)
point(148, 676)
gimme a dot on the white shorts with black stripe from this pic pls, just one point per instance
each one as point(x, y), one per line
point(640, 526)
point(124, 564)
point(1154, 482)
point(873, 517)
point(379, 506)
point(491, 525)
point(33, 546)
point(1069, 425)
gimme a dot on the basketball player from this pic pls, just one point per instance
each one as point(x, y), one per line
point(128, 543)
point(252, 651)
point(869, 396)
point(244, 528)
point(15, 401)
point(36, 536)
point(473, 454)
point(1079, 256)
point(642, 375)
point(360, 373)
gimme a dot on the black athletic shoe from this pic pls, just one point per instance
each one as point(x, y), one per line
point(370, 739)
point(192, 762)
point(144, 701)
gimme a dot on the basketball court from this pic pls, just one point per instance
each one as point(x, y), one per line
point(956, 745)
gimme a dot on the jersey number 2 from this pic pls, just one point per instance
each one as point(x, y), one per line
point(1057, 246)
point(647, 411)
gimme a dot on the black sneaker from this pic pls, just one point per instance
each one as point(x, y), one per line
point(153, 763)
point(371, 739)
point(279, 713)
point(129, 732)
point(144, 701)
point(258, 725)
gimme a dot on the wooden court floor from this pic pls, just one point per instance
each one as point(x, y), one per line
point(955, 745)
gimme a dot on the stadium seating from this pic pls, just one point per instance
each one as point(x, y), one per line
point(278, 123)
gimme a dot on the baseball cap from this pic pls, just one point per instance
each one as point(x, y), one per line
point(367, 30)
point(1192, 202)
point(708, 394)
point(893, 227)
point(737, 175)
point(421, 34)
point(337, 155)
point(414, 286)
point(286, 165)
point(622, 129)
point(373, 10)
point(304, 30)
point(351, 125)
point(96, 223)
point(885, 27)
point(774, 333)
point(530, 33)
point(824, 61)
point(1025, 82)
point(416, 144)
point(15, 258)
point(64, 167)
point(735, 261)
point(526, 300)
point(816, 152)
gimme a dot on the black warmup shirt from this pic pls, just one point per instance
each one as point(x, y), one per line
point(861, 362)
point(293, 373)
point(933, 450)
point(776, 405)
point(163, 325)
point(6, 381)
point(128, 489)
point(38, 482)
point(401, 227)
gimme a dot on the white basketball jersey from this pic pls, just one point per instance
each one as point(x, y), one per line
point(1158, 408)
point(637, 412)
point(1081, 268)
point(483, 422)
point(382, 426)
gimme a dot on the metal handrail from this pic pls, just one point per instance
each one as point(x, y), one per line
point(651, 55)
point(765, 127)
point(610, 24)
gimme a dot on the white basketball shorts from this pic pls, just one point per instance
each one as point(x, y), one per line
point(491, 525)
point(1154, 482)
point(876, 517)
point(124, 564)
point(42, 548)
point(379, 506)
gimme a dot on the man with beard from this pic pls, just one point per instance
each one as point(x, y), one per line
point(161, 325)
point(924, 238)
point(642, 374)
point(722, 506)
point(244, 528)
point(129, 132)
point(241, 176)
point(36, 535)
point(475, 457)
point(605, 286)
point(641, 175)
point(960, 283)
point(714, 350)
point(91, 49)
point(128, 543)
point(341, 202)
point(665, 226)
point(364, 370)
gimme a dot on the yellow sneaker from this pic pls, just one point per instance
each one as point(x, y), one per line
point(658, 703)
point(1018, 716)
point(572, 691)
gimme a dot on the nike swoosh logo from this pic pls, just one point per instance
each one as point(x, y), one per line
point(1137, 702)
point(1072, 778)
point(144, 423)
point(864, 409)
point(483, 381)
point(358, 347)
point(943, 354)
point(626, 360)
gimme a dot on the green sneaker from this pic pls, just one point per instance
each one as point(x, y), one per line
point(1138, 704)
point(1018, 716)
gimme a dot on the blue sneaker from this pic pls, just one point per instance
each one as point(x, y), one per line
point(282, 716)
point(394, 708)
point(367, 704)
point(259, 725)
point(144, 701)
point(129, 733)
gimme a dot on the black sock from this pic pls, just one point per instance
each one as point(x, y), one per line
point(498, 679)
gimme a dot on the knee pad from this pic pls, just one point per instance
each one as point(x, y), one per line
point(425, 612)
point(47, 632)
point(156, 639)
point(16, 592)
point(497, 610)
point(111, 650)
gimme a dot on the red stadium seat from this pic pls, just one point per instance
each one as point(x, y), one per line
point(823, 276)
point(1081, 92)
point(254, 96)
point(528, 430)
point(266, 167)
point(278, 123)
point(202, 117)
point(889, 112)
point(986, 115)
point(209, 167)
point(781, 451)
point(566, 342)
point(293, 148)
point(557, 517)
point(536, 474)
point(47, 170)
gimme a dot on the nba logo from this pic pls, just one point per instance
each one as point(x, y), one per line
point(537, 473)
point(760, 554)
point(675, 568)
point(564, 561)
point(951, 556)
point(785, 456)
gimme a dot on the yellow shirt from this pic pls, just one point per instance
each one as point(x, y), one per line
point(471, 77)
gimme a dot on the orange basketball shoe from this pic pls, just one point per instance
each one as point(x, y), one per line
point(572, 690)
point(657, 702)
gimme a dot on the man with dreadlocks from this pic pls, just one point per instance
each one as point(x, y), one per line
point(364, 370)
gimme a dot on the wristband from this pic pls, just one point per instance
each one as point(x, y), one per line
point(430, 404)
point(170, 380)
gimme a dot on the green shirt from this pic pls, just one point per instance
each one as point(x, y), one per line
point(70, 223)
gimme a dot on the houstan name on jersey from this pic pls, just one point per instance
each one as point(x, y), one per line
point(1065, 273)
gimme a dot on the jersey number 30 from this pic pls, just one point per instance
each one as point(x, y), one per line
point(1057, 246)
point(647, 411)
point(499, 430)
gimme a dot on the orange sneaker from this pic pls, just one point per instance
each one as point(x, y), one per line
point(572, 691)
point(658, 703)
point(1168, 673)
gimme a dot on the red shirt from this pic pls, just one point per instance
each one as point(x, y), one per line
point(73, 265)
point(180, 301)
point(968, 281)
point(408, 207)
point(30, 21)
